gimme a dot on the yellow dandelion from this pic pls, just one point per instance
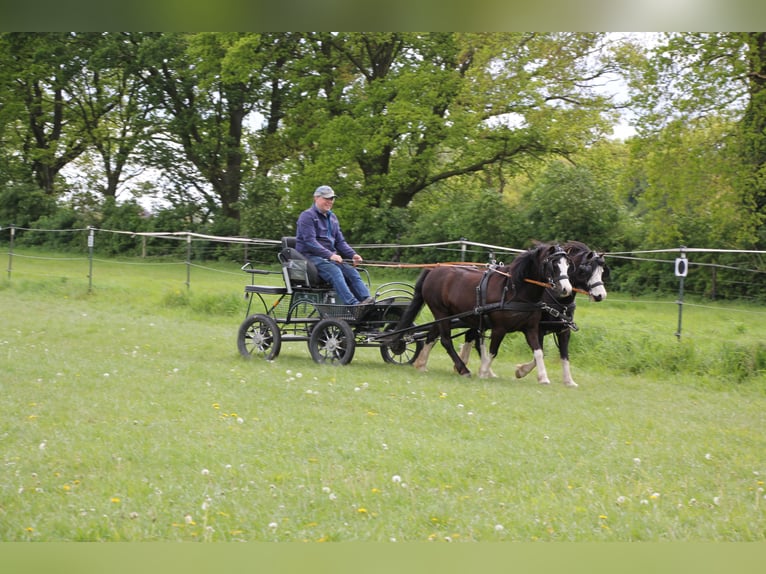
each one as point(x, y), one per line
point(216, 406)
point(361, 510)
point(375, 490)
point(602, 516)
point(66, 487)
point(29, 529)
point(115, 500)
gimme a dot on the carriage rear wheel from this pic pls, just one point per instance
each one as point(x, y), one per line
point(259, 336)
point(332, 341)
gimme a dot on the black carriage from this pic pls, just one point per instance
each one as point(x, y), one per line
point(305, 309)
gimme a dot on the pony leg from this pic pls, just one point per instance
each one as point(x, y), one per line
point(542, 374)
point(465, 351)
point(563, 340)
point(567, 374)
point(422, 359)
point(533, 341)
point(523, 369)
point(485, 371)
point(446, 341)
point(458, 362)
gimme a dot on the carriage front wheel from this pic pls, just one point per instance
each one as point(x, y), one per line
point(332, 341)
point(259, 336)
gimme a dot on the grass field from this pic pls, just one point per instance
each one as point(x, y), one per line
point(128, 415)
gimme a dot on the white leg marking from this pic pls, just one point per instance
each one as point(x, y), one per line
point(465, 351)
point(485, 371)
point(422, 359)
point(567, 373)
point(542, 374)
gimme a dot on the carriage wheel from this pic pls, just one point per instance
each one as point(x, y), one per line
point(402, 352)
point(259, 336)
point(332, 341)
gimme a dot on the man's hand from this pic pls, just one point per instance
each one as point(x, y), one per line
point(335, 258)
point(357, 259)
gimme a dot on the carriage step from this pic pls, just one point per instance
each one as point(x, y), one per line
point(266, 289)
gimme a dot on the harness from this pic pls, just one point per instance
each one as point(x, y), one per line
point(483, 307)
point(561, 313)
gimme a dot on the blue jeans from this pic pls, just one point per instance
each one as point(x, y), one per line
point(344, 278)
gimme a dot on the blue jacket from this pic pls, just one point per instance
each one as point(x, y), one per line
point(320, 234)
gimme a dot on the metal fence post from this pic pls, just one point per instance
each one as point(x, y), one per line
point(91, 239)
point(188, 261)
point(10, 252)
point(681, 269)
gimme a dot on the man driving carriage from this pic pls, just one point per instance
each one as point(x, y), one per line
point(320, 239)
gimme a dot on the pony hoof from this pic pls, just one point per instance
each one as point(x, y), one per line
point(467, 374)
point(571, 385)
point(544, 382)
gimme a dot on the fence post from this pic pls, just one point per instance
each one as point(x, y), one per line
point(10, 251)
point(188, 261)
point(90, 258)
point(681, 268)
point(462, 248)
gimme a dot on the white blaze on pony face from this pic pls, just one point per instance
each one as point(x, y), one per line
point(597, 293)
point(561, 277)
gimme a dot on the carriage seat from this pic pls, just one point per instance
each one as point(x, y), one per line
point(301, 271)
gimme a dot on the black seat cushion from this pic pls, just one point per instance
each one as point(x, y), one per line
point(299, 268)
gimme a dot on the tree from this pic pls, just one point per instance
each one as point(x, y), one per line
point(113, 107)
point(38, 71)
point(691, 77)
point(207, 85)
point(567, 202)
point(387, 115)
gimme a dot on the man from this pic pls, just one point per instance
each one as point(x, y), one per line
point(319, 238)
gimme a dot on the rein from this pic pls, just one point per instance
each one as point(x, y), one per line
point(456, 264)
point(526, 279)
point(366, 263)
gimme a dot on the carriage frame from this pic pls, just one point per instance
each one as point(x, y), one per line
point(304, 309)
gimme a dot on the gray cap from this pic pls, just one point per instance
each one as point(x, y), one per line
point(324, 191)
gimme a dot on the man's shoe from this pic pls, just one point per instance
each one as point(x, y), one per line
point(368, 301)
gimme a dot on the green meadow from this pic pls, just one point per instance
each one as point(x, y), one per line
point(127, 414)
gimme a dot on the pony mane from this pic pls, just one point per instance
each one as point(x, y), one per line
point(574, 245)
point(526, 264)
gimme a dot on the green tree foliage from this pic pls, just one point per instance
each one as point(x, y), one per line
point(38, 73)
point(567, 202)
point(714, 83)
point(389, 115)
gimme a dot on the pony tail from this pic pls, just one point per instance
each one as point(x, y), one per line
point(415, 305)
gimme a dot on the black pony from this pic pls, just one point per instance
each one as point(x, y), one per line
point(501, 299)
point(590, 272)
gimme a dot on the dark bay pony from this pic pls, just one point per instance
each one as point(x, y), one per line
point(501, 299)
point(589, 273)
